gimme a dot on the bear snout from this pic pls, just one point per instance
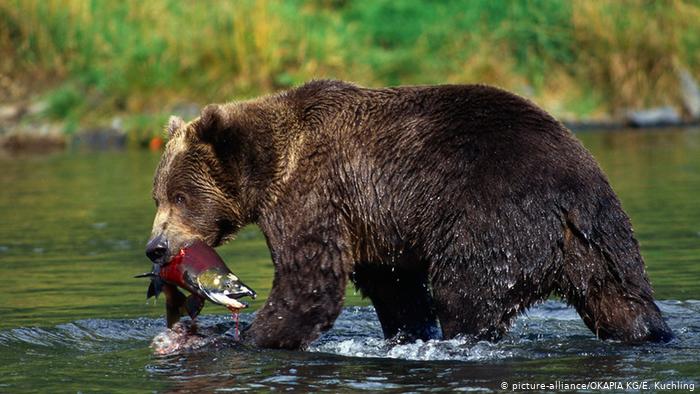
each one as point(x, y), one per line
point(157, 249)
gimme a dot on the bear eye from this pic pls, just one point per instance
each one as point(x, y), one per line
point(179, 199)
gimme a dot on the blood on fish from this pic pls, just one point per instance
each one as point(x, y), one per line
point(234, 313)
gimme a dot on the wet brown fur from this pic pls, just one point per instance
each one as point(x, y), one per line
point(462, 205)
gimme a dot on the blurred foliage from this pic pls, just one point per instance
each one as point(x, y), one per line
point(576, 58)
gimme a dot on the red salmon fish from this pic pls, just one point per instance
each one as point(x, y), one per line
point(202, 272)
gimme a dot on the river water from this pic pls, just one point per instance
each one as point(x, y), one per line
point(72, 230)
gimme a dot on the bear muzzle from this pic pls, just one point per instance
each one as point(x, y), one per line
point(157, 249)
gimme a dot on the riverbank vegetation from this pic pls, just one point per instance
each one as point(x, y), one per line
point(87, 61)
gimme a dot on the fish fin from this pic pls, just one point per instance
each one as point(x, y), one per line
point(189, 280)
point(151, 290)
point(155, 288)
point(194, 305)
point(174, 302)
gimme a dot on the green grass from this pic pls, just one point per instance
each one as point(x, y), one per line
point(96, 58)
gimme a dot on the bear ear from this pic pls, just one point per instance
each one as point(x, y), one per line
point(220, 130)
point(210, 122)
point(174, 124)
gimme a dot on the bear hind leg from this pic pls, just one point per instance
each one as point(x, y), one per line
point(611, 314)
point(608, 287)
point(402, 300)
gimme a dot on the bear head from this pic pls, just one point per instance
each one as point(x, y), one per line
point(204, 184)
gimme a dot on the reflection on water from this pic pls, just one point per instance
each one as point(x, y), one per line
point(72, 233)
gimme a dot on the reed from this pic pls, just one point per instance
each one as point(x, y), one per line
point(95, 58)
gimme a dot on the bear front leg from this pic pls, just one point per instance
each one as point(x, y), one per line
point(307, 291)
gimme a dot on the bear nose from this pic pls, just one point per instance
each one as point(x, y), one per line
point(156, 249)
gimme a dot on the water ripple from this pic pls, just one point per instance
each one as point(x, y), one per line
point(550, 329)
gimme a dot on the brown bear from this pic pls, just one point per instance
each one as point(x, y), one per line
point(453, 208)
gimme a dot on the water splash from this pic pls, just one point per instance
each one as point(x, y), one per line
point(461, 349)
